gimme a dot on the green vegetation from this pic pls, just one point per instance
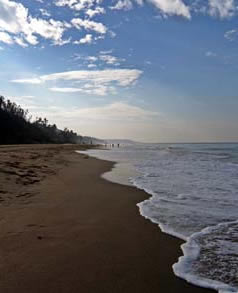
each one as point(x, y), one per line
point(16, 127)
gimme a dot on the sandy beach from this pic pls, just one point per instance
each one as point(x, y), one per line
point(65, 229)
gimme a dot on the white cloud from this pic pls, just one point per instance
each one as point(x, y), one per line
point(172, 7)
point(148, 62)
point(167, 7)
point(210, 54)
point(78, 4)
point(44, 12)
point(91, 58)
point(216, 8)
point(89, 65)
point(92, 12)
point(51, 29)
point(62, 42)
point(231, 35)
point(109, 59)
point(122, 4)
point(20, 42)
point(28, 97)
point(28, 80)
point(89, 7)
point(101, 37)
point(124, 77)
point(88, 39)
point(222, 8)
point(105, 57)
point(99, 90)
point(106, 52)
point(65, 89)
point(16, 21)
point(6, 38)
point(112, 34)
point(98, 27)
point(99, 82)
point(18, 26)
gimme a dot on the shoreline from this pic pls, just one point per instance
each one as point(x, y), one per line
point(124, 173)
point(82, 233)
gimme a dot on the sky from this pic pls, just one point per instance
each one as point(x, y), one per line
point(147, 70)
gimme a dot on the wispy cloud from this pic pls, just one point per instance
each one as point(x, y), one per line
point(210, 54)
point(231, 35)
point(110, 59)
point(122, 4)
point(78, 5)
point(99, 82)
point(222, 8)
point(123, 77)
point(44, 12)
point(117, 111)
point(99, 90)
point(103, 57)
point(33, 80)
point(65, 90)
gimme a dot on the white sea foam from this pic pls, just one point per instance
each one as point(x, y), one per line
point(216, 248)
point(122, 171)
point(193, 188)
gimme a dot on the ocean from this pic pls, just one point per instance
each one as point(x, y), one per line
point(194, 196)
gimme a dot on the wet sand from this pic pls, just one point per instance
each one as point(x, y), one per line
point(65, 229)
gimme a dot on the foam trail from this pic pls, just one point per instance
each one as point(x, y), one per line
point(192, 251)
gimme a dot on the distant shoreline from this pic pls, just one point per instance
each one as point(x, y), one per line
point(65, 229)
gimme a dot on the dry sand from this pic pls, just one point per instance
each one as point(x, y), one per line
point(64, 229)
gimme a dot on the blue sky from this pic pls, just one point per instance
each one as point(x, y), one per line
point(149, 70)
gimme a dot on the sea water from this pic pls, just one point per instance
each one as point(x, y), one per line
point(194, 196)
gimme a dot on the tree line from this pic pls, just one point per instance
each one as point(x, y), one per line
point(17, 127)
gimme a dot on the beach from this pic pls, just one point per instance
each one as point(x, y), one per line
point(65, 229)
